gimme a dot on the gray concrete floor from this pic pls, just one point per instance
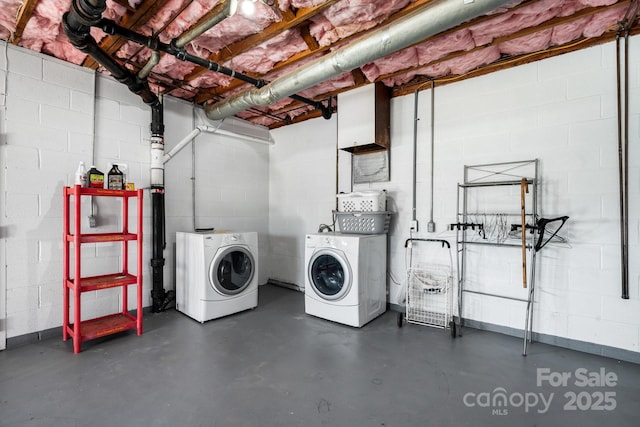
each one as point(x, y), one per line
point(276, 366)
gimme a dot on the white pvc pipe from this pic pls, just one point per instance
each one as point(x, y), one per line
point(214, 130)
point(180, 145)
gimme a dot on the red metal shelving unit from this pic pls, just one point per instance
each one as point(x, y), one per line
point(83, 330)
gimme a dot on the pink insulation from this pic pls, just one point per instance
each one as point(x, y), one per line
point(472, 60)
point(190, 15)
point(524, 17)
point(262, 58)
point(528, 43)
point(43, 32)
point(389, 63)
point(349, 17)
point(210, 79)
point(593, 3)
point(568, 32)
point(297, 4)
point(602, 21)
point(162, 17)
point(8, 12)
point(441, 46)
point(134, 51)
point(236, 28)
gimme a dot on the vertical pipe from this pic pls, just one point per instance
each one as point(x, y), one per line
point(622, 171)
point(431, 227)
point(625, 255)
point(139, 265)
point(158, 294)
point(193, 185)
point(415, 153)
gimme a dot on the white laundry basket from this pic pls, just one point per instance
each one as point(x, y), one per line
point(362, 201)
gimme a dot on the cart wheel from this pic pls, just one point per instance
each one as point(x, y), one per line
point(400, 319)
point(452, 325)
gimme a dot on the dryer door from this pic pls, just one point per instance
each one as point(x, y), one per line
point(231, 270)
point(329, 274)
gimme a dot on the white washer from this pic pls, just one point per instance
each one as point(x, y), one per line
point(345, 278)
point(216, 273)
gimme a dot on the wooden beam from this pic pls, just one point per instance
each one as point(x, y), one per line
point(312, 44)
point(24, 15)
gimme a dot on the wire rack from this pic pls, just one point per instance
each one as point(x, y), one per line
point(429, 298)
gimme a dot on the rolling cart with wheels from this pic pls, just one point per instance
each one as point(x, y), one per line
point(429, 296)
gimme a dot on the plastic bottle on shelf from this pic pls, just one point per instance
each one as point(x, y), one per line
point(81, 175)
point(96, 178)
point(115, 178)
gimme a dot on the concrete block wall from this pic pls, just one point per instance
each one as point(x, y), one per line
point(37, 161)
point(561, 111)
point(302, 193)
point(231, 184)
point(54, 115)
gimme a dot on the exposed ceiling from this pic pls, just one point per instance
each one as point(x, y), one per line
point(282, 35)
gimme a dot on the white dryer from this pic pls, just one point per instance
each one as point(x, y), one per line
point(216, 273)
point(345, 278)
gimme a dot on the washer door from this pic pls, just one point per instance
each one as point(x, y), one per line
point(329, 274)
point(231, 270)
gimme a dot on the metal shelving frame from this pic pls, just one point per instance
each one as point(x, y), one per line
point(493, 175)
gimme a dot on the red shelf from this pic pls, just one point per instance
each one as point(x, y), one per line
point(103, 282)
point(103, 237)
point(101, 192)
point(76, 329)
point(103, 326)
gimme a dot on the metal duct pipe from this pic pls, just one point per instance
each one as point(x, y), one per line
point(152, 62)
point(228, 10)
point(432, 19)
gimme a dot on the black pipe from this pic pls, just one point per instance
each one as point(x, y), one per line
point(160, 298)
point(625, 260)
point(76, 24)
point(110, 27)
point(622, 169)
